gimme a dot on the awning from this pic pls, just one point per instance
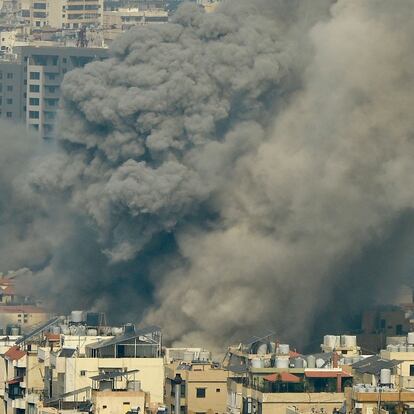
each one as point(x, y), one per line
point(282, 377)
point(15, 380)
point(327, 374)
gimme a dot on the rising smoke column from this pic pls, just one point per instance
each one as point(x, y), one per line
point(230, 171)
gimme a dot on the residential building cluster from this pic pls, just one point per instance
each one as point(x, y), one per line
point(80, 364)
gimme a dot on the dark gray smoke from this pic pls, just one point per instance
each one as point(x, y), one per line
point(236, 170)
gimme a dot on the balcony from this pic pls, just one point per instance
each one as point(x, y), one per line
point(19, 403)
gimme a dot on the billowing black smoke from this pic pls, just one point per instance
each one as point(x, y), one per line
point(230, 171)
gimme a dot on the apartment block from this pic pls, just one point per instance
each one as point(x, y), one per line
point(30, 85)
point(203, 386)
point(67, 14)
point(79, 364)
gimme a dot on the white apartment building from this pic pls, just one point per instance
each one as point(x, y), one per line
point(66, 14)
point(30, 85)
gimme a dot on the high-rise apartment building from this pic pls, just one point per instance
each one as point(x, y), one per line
point(30, 86)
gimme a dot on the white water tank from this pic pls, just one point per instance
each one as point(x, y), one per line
point(385, 376)
point(284, 349)
point(299, 363)
point(115, 330)
point(410, 348)
point(257, 363)
point(282, 362)
point(348, 341)
point(92, 332)
point(410, 338)
point(77, 316)
point(330, 341)
point(311, 361)
point(262, 349)
point(65, 329)
point(320, 362)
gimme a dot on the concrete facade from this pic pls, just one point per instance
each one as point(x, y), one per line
point(204, 388)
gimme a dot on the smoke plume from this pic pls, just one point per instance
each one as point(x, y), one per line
point(231, 171)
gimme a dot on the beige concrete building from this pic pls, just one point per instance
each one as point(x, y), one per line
point(396, 401)
point(24, 316)
point(124, 19)
point(79, 13)
point(68, 14)
point(203, 388)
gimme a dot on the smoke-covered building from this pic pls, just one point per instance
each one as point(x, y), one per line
point(30, 85)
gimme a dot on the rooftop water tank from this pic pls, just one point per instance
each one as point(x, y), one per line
point(330, 341)
point(410, 338)
point(92, 332)
point(320, 362)
point(77, 316)
point(284, 349)
point(115, 330)
point(257, 363)
point(410, 348)
point(385, 376)
point(311, 361)
point(282, 362)
point(262, 349)
point(56, 330)
point(299, 363)
point(348, 341)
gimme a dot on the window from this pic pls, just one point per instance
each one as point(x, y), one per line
point(126, 403)
point(9, 101)
point(200, 392)
point(399, 330)
point(34, 101)
point(34, 88)
point(411, 370)
point(34, 114)
point(104, 406)
point(9, 88)
point(83, 373)
point(218, 389)
point(10, 76)
point(35, 75)
point(9, 114)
